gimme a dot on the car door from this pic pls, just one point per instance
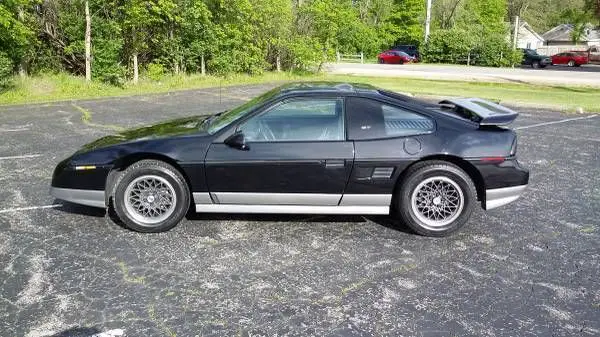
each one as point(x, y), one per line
point(387, 138)
point(562, 58)
point(295, 153)
point(526, 58)
point(594, 55)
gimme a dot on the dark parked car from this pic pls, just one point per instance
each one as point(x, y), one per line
point(410, 49)
point(316, 148)
point(394, 57)
point(535, 60)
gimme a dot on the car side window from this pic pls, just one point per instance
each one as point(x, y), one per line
point(304, 119)
point(370, 119)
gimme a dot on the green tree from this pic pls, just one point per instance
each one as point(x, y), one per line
point(198, 35)
point(580, 20)
point(16, 34)
point(407, 21)
point(140, 20)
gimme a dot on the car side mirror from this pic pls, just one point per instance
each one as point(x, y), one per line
point(237, 141)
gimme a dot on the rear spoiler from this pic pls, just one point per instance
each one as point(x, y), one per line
point(485, 112)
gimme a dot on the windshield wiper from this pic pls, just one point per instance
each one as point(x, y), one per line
point(210, 119)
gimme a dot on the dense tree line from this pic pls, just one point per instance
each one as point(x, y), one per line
point(115, 40)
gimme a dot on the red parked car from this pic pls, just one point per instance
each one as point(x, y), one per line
point(570, 58)
point(395, 57)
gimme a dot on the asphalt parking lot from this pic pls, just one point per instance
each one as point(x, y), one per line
point(527, 269)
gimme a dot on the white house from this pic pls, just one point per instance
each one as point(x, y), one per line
point(560, 38)
point(528, 38)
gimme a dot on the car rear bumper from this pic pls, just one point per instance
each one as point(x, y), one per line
point(83, 197)
point(501, 196)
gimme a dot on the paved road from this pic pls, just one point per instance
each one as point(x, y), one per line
point(559, 75)
point(528, 269)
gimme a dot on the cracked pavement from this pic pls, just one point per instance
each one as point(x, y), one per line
point(527, 269)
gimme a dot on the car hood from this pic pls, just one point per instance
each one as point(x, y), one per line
point(176, 127)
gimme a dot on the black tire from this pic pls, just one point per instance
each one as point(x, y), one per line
point(571, 63)
point(167, 174)
point(381, 61)
point(543, 66)
point(433, 170)
point(535, 64)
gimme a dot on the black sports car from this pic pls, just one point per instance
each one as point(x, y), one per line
point(315, 148)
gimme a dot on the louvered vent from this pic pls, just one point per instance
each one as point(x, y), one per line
point(408, 124)
point(382, 172)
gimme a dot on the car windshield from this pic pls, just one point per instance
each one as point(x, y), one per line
point(221, 120)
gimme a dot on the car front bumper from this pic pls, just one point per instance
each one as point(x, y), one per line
point(83, 197)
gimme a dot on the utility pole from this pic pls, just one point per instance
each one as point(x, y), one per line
point(427, 20)
point(88, 42)
point(516, 32)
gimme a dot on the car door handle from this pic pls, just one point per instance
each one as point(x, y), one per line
point(333, 164)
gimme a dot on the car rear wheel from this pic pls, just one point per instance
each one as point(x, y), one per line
point(571, 63)
point(151, 196)
point(535, 64)
point(436, 198)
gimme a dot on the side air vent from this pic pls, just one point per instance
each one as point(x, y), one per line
point(382, 173)
point(415, 124)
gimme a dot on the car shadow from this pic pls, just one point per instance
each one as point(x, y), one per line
point(77, 331)
point(381, 220)
point(68, 207)
point(588, 68)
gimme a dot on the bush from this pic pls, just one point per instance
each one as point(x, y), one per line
point(6, 69)
point(496, 52)
point(455, 46)
point(155, 71)
point(448, 46)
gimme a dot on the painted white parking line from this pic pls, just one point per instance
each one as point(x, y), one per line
point(27, 156)
point(110, 333)
point(554, 122)
point(10, 210)
point(13, 130)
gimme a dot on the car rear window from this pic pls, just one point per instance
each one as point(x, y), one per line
point(371, 119)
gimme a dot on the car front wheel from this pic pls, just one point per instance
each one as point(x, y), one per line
point(436, 198)
point(151, 196)
point(535, 65)
point(571, 63)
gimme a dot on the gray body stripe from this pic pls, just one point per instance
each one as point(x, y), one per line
point(202, 198)
point(366, 200)
point(292, 209)
point(277, 198)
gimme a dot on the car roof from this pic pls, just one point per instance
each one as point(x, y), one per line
point(346, 88)
point(326, 87)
